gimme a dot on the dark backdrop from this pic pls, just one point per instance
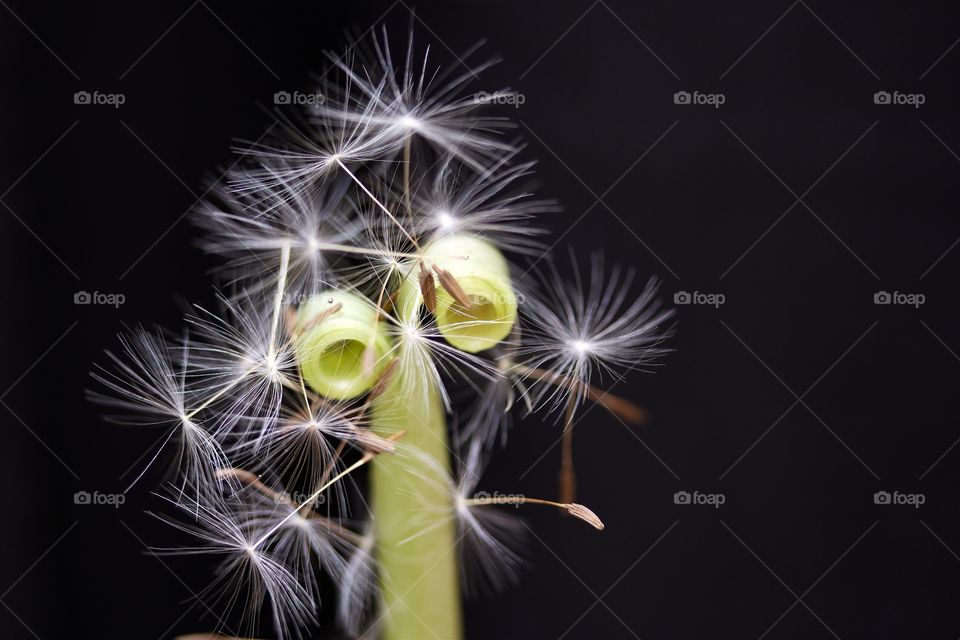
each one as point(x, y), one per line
point(797, 399)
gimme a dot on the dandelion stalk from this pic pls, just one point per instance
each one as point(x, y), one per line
point(419, 575)
point(419, 579)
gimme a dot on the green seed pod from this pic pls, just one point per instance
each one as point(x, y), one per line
point(483, 281)
point(336, 330)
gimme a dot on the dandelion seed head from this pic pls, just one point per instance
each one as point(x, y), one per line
point(445, 220)
point(590, 327)
point(350, 196)
point(409, 121)
point(412, 332)
point(580, 346)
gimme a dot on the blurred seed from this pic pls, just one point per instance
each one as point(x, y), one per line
point(384, 380)
point(323, 315)
point(448, 282)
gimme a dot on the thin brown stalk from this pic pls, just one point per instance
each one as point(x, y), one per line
point(406, 176)
point(568, 477)
point(571, 508)
point(621, 407)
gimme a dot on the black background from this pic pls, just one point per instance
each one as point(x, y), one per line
point(827, 397)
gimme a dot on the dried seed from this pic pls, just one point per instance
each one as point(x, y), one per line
point(323, 315)
point(374, 443)
point(428, 289)
point(384, 380)
point(448, 282)
point(290, 320)
point(588, 516)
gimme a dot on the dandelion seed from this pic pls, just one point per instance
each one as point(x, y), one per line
point(359, 592)
point(457, 201)
point(240, 363)
point(585, 329)
point(250, 232)
point(247, 575)
point(306, 542)
point(149, 388)
point(411, 98)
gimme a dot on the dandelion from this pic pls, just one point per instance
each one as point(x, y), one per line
point(372, 314)
point(589, 327)
point(250, 234)
point(148, 389)
point(411, 99)
point(247, 574)
point(585, 329)
point(486, 204)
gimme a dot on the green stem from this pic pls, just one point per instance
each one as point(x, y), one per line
point(418, 574)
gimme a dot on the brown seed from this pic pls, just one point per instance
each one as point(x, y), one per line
point(585, 514)
point(389, 302)
point(384, 380)
point(453, 287)
point(323, 315)
point(374, 443)
point(290, 320)
point(393, 437)
point(428, 289)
